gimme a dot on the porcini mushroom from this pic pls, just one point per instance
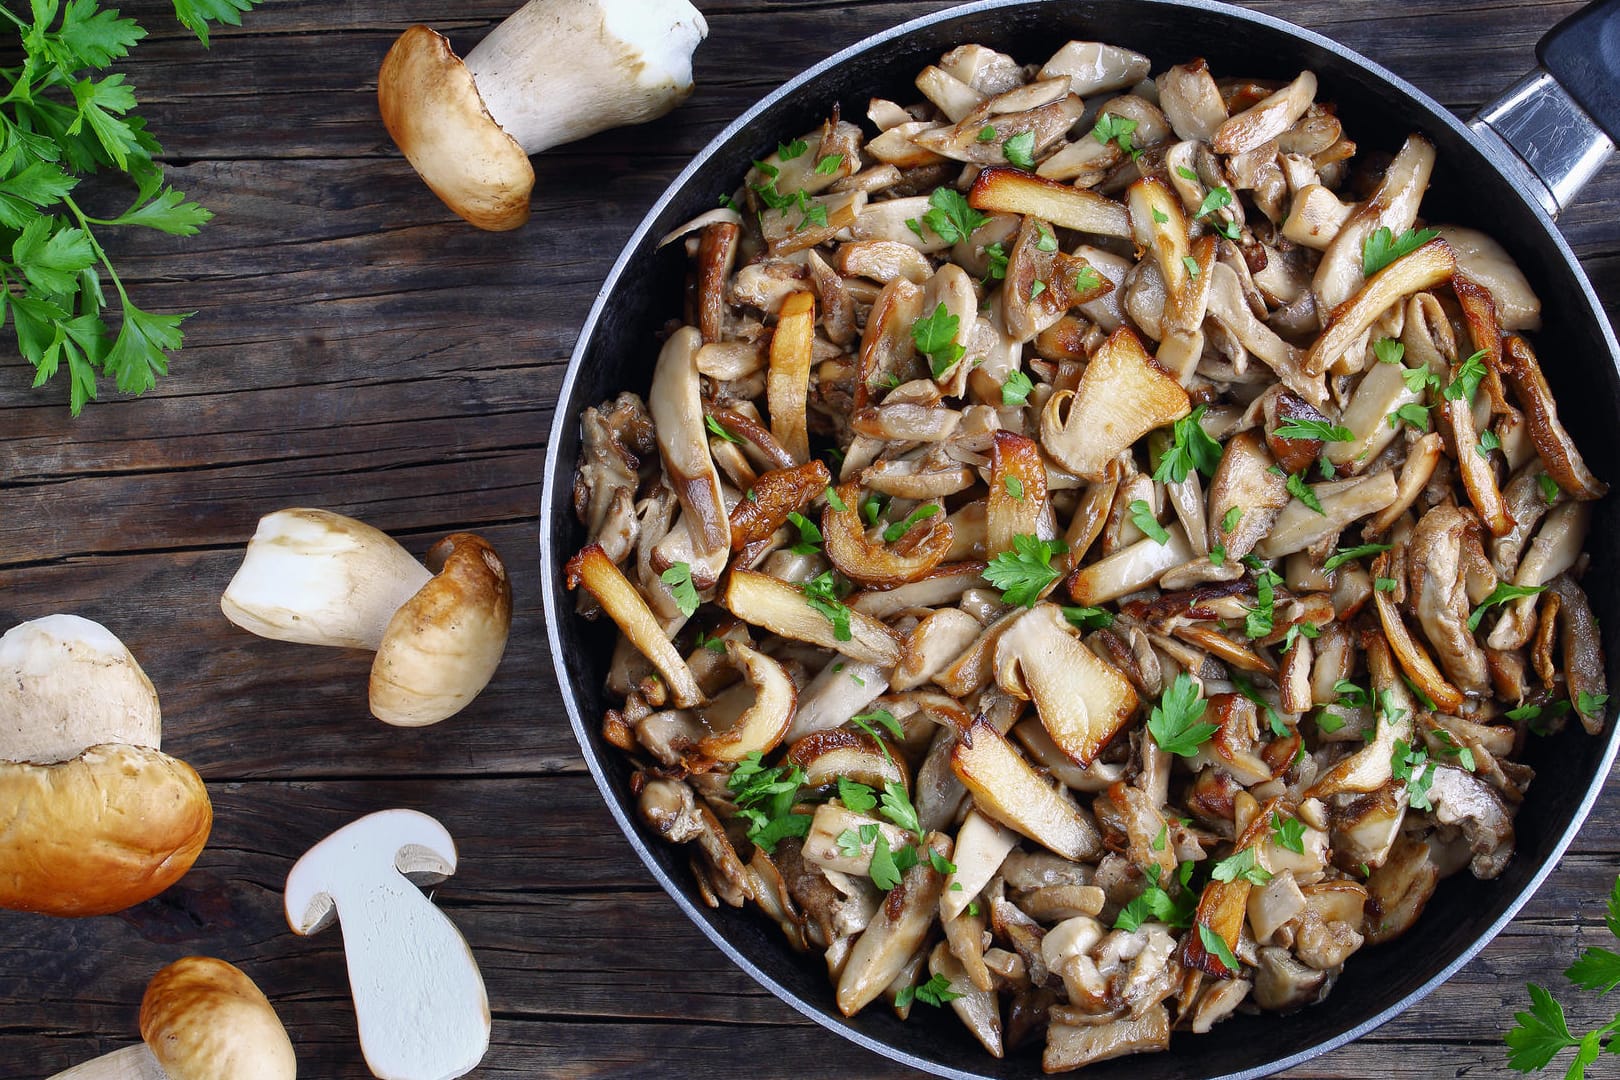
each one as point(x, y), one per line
point(319, 578)
point(201, 1019)
point(553, 72)
point(94, 818)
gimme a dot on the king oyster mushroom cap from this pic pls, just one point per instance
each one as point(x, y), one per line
point(553, 72)
point(443, 645)
point(318, 578)
point(70, 683)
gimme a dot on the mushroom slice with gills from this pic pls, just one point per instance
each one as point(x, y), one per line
point(1074, 1046)
point(1130, 569)
point(1267, 119)
point(868, 559)
point(1227, 307)
point(1091, 513)
point(717, 253)
point(842, 840)
point(676, 404)
point(896, 933)
point(1093, 67)
point(1584, 676)
point(1413, 657)
point(1398, 889)
point(981, 847)
point(671, 809)
point(1444, 556)
point(1005, 787)
point(1283, 984)
point(977, 1007)
point(761, 725)
point(1123, 395)
point(1421, 269)
point(1082, 700)
point(883, 261)
point(1381, 392)
point(1159, 224)
point(1191, 101)
point(1555, 549)
point(1273, 905)
point(1044, 110)
point(885, 219)
point(1370, 768)
point(1467, 802)
point(1481, 259)
point(1040, 748)
point(1393, 206)
point(1017, 504)
point(624, 604)
point(1315, 217)
point(839, 691)
point(1043, 283)
point(972, 671)
point(605, 487)
point(1526, 505)
point(1559, 456)
point(1244, 481)
point(1299, 526)
point(755, 521)
point(781, 608)
point(933, 643)
point(945, 584)
point(887, 348)
point(929, 475)
point(1014, 191)
point(855, 755)
point(792, 229)
point(1421, 460)
point(1217, 1001)
point(788, 386)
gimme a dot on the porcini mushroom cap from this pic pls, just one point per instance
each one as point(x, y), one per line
point(204, 1019)
point(434, 113)
point(70, 683)
point(442, 647)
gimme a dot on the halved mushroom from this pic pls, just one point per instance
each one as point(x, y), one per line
point(1123, 395)
point(1082, 700)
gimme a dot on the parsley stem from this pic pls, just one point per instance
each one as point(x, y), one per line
point(95, 245)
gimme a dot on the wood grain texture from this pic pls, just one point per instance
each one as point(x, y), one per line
point(357, 347)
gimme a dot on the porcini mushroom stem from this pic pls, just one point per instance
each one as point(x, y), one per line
point(130, 1063)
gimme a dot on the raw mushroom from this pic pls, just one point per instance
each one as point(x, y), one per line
point(319, 578)
point(96, 817)
point(553, 72)
point(201, 1019)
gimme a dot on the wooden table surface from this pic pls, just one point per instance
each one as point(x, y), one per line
point(359, 348)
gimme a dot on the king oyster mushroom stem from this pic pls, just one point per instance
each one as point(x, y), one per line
point(553, 72)
point(418, 996)
point(201, 1018)
point(318, 578)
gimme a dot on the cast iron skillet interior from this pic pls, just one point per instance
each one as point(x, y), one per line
point(618, 346)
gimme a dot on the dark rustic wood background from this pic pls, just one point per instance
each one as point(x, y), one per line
point(359, 348)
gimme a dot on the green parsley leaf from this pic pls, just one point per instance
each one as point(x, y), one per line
point(898, 809)
point(1143, 518)
point(835, 502)
point(1016, 390)
point(1469, 375)
point(1014, 486)
point(1297, 631)
point(883, 870)
point(1020, 150)
point(829, 164)
point(881, 718)
point(986, 134)
point(1418, 380)
point(1161, 838)
point(1503, 593)
point(794, 149)
point(1159, 216)
point(1241, 864)
point(1413, 413)
point(813, 214)
point(1217, 554)
point(1488, 441)
point(823, 595)
point(809, 534)
point(940, 863)
point(1157, 905)
point(715, 426)
point(1300, 490)
point(1389, 351)
point(765, 798)
point(1036, 287)
point(1023, 573)
point(1385, 584)
point(1260, 620)
point(872, 507)
point(1219, 198)
point(996, 262)
point(855, 796)
point(1549, 489)
point(1344, 555)
point(1087, 279)
point(1191, 264)
point(1176, 722)
point(1382, 247)
point(935, 336)
point(849, 844)
point(1318, 430)
point(950, 216)
point(1590, 704)
point(1412, 765)
point(1328, 722)
point(1191, 448)
point(973, 906)
point(900, 528)
point(1230, 519)
point(1273, 719)
point(1116, 129)
point(1088, 618)
point(679, 580)
point(1045, 241)
point(713, 644)
point(1540, 1034)
point(730, 203)
point(1216, 946)
point(1287, 832)
point(936, 992)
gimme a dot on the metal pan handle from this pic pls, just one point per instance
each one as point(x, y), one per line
point(1561, 121)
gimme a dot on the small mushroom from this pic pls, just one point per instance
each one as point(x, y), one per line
point(201, 1019)
point(553, 72)
point(319, 578)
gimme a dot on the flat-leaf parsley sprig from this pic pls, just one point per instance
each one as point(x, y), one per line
point(61, 121)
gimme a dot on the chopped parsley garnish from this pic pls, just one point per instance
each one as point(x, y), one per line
point(857, 797)
point(1216, 946)
point(1383, 247)
point(1230, 519)
point(835, 502)
point(950, 216)
point(1014, 486)
point(869, 722)
point(900, 528)
point(1549, 489)
point(887, 865)
point(1488, 441)
point(679, 580)
point(1023, 573)
point(714, 425)
point(1191, 448)
point(1015, 391)
point(1318, 430)
point(1259, 621)
point(1020, 150)
point(1287, 832)
point(713, 644)
point(1501, 595)
point(1412, 764)
point(1177, 721)
point(791, 150)
point(1191, 264)
point(936, 992)
point(1115, 129)
point(1590, 704)
point(1469, 374)
point(1385, 584)
point(935, 336)
point(1088, 618)
point(1413, 413)
point(809, 534)
point(987, 134)
point(829, 164)
point(1036, 287)
point(1299, 489)
point(1344, 555)
point(1143, 518)
point(824, 595)
point(765, 797)
point(1087, 279)
point(1243, 864)
point(1156, 904)
point(1045, 241)
point(1389, 351)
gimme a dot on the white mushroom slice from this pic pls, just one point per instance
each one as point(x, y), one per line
point(835, 841)
point(625, 605)
point(885, 219)
point(842, 689)
point(1105, 311)
point(950, 95)
point(935, 641)
point(1123, 395)
point(1130, 569)
point(985, 70)
point(1074, 1046)
point(976, 1007)
point(1191, 101)
point(883, 261)
point(1424, 268)
point(1014, 191)
point(1082, 700)
point(1393, 206)
point(1006, 788)
point(1268, 118)
point(1244, 482)
point(1481, 259)
point(1298, 526)
point(787, 388)
point(782, 609)
point(1315, 217)
point(798, 227)
point(981, 846)
point(763, 723)
point(1093, 67)
point(1043, 751)
point(1555, 549)
point(1273, 906)
point(676, 405)
point(896, 146)
point(945, 584)
point(71, 684)
point(895, 933)
point(1421, 460)
point(1382, 390)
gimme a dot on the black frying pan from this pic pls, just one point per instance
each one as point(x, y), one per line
point(1478, 181)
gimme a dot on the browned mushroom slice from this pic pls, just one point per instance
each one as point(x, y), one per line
point(1232, 312)
point(1398, 890)
point(1421, 460)
point(1042, 283)
point(970, 672)
point(1299, 526)
point(1091, 514)
point(1424, 268)
point(1557, 450)
point(1582, 646)
point(1554, 550)
point(788, 387)
point(810, 221)
point(1413, 657)
point(1006, 788)
point(944, 584)
point(1123, 395)
point(1446, 566)
point(1074, 1046)
point(776, 494)
point(1468, 803)
point(1371, 767)
point(760, 726)
point(977, 1007)
point(827, 755)
point(1129, 569)
point(1044, 110)
point(1267, 119)
point(870, 561)
point(824, 847)
point(1082, 700)
point(1191, 101)
point(897, 146)
point(1017, 502)
point(717, 252)
point(1223, 905)
point(676, 405)
point(783, 609)
point(1245, 496)
point(592, 569)
point(1393, 206)
point(1315, 217)
point(895, 934)
point(672, 811)
point(883, 261)
point(1480, 258)
point(1014, 191)
point(933, 643)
